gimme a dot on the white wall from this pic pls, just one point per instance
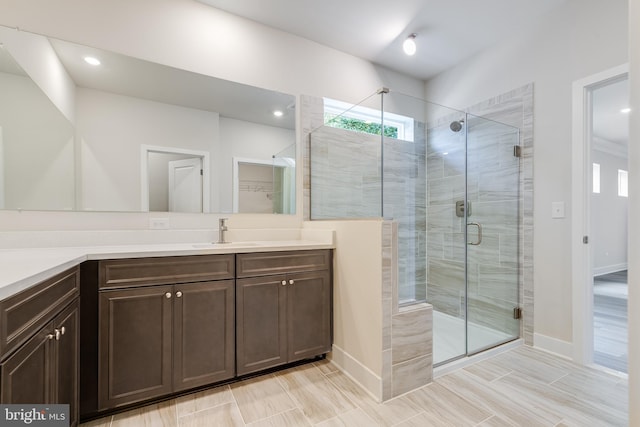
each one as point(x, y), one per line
point(39, 164)
point(38, 59)
point(609, 216)
point(581, 38)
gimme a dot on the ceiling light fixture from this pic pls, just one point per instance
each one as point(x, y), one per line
point(625, 110)
point(278, 113)
point(92, 60)
point(409, 45)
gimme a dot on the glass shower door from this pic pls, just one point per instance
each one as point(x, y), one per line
point(491, 233)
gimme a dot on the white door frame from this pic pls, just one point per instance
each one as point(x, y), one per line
point(581, 254)
point(144, 173)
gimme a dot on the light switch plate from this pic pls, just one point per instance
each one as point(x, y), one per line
point(557, 210)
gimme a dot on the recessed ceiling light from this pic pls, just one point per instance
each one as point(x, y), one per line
point(278, 113)
point(625, 110)
point(409, 45)
point(91, 60)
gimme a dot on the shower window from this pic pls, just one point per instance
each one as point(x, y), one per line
point(363, 119)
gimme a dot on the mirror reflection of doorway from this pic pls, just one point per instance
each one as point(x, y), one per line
point(174, 180)
point(261, 186)
point(609, 217)
point(185, 185)
point(255, 189)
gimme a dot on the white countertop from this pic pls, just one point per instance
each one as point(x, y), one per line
point(23, 268)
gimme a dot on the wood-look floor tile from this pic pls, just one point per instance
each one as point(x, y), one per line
point(496, 421)
point(488, 370)
point(571, 407)
point(354, 418)
point(226, 415)
point(592, 385)
point(383, 414)
point(426, 419)
point(448, 406)
point(317, 397)
point(261, 397)
point(203, 400)
point(157, 415)
point(533, 365)
point(293, 418)
point(513, 407)
point(326, 366)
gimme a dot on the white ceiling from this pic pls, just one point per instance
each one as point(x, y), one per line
point(134, 77)
point(449, 31)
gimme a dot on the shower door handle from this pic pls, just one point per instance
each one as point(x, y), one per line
point(477, 224)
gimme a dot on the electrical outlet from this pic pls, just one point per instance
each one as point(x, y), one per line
point(159, 223)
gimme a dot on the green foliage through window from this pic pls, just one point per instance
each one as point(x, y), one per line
point(359, 125)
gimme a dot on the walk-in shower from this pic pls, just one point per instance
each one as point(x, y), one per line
point(451, 182)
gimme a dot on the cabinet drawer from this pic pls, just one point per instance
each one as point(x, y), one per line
point(26, 312)
point(165, 270)
point(268, 263)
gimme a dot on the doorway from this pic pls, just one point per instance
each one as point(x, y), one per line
point(600, 165)
point(174, 180)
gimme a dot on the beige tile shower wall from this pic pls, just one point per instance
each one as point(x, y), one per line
point(407, 343)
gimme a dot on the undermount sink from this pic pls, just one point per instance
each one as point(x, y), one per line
point(224, 245)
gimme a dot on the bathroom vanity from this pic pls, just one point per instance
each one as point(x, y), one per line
point(125, 328)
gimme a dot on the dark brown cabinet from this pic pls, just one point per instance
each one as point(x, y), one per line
point(282, 318)
point(160, 339)
point(45, 367)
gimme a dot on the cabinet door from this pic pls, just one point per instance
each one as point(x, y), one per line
point(309, 316)
point(135, 345)
point(261, 325)
point(203, 333)
point(66, 368)
point(26, 375)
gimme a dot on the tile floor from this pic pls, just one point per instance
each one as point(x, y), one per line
point(610, 341)
point(521, 387)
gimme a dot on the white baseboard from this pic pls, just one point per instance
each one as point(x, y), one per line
point(367, 379)
point(610, 269)
point(553, 345)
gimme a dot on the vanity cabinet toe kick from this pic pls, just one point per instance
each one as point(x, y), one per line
point(156, 327)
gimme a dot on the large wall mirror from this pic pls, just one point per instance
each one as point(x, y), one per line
point(131, 135)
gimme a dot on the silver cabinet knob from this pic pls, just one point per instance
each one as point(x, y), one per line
point(178, 294)
point(291, 281)
point(284, 282)
point(167, 295)
point(57, 334)
point(63, 330)
point(50, 336)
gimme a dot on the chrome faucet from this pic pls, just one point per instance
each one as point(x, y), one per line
point(222, 227)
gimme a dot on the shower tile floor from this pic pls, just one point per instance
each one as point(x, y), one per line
point(520, 387)
point(449, 337)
